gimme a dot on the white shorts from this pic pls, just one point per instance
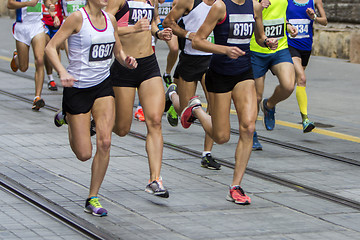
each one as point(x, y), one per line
point(24, 32)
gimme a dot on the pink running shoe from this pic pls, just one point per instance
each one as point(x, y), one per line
point(237, 195)
point(187, 117)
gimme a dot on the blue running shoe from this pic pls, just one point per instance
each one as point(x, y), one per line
point(308, 126)
point(269, 115)
point(256, 144)
point(93, 206)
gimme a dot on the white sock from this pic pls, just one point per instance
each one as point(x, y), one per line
point(50, 78)
point(205, 152)
point(171, 93)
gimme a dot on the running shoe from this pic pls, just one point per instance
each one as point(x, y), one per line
point(52, 86)
point(92, 128)
point(157, 188)
point(172, 116)
point(237, 195)
point(187, 116)
point(13, 65)
point(208, 162)
point(308, 126)
point(256, 144)
point(38, 103)
point(167, 80)
point(168, 103)
point(59, 118)
point(269, 115)
point(139, 114)
point(93, 206)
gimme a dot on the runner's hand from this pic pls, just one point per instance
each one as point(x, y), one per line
point(311, 13)
point(293, 31)
point(142, 25)
point(56, 22)
point(67, 80)
point(272, 43)
point(165, 34)
point(32, 3)
point(265, 3)
point(234, 52)
point(130, 62)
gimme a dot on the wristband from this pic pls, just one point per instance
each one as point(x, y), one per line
point(265, 43)
point(160, 26)
point(157, 34)
point(315, 17)
point(288, 24)
point(187, 35)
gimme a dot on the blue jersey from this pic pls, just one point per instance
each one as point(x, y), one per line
point(297, 16)
point(235, 30)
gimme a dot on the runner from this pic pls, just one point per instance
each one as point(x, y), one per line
point(192, 63)
point(229, 78)
point(53, 18)
point(278, 61)
point(29, 30)
point(93, 37)
point(136, 26)
point(164, 7)
point(301, 14)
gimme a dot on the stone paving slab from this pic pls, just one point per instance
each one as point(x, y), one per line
point(37, 154)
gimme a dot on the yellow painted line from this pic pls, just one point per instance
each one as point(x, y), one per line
point(9, 60)
point(316, 130)
point(279, 122)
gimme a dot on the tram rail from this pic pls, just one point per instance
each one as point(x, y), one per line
point(93, 232)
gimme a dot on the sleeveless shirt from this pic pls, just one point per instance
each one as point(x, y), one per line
point(90, 52)
point(297, 16)
point(235, 30)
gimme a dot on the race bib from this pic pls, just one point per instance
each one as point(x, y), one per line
point(73, 6)
point(241, 28)
point(164, 9)
point(211, 38)
point(274, 28)
point(136, 14)
point(101, 50)
point(303, 26)
point(37, 8)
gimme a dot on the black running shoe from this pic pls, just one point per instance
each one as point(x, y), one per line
point(157, 188)
point(167, 80)
point(208, 162)
point(168, 103)
point(92, 128)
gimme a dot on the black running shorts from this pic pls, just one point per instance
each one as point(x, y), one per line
point(147, 68)
point(81, 100)
point(304, 55)
point(219, 83)
point(191, 68)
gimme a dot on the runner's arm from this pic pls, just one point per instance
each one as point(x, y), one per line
point(216, 14)
point(72, 25)
point(179, 9)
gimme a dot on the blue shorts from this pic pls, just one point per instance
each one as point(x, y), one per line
point(262, 62)
point(50, 30)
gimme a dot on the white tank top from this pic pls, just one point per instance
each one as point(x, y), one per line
point(90, 52)
point(29, 15)
point(192, 23)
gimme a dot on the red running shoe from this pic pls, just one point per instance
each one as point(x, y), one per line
point(13, 65)
point(139, 115)
point(237, 195)
point(187, 117)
